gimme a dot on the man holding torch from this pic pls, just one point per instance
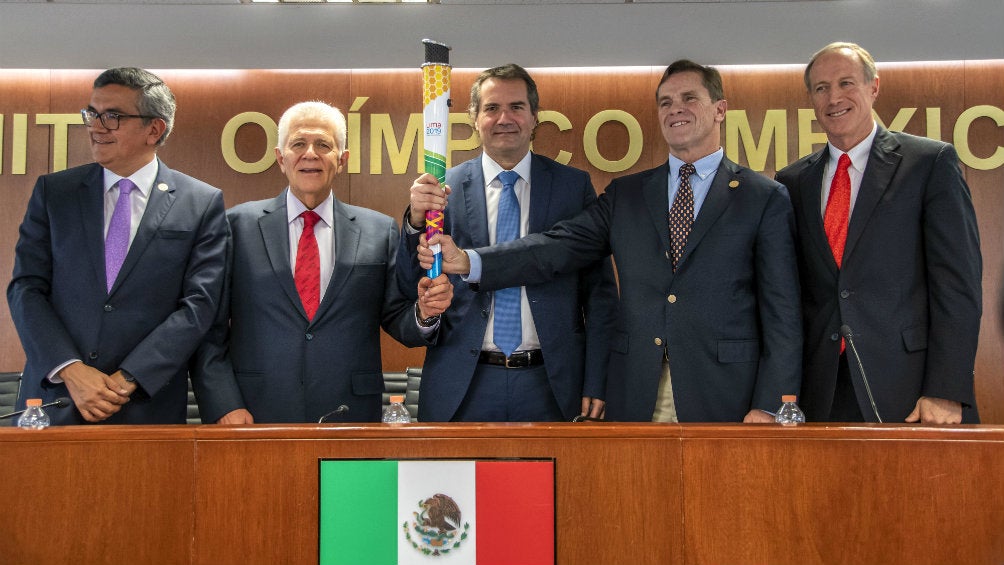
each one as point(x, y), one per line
point(533, 353)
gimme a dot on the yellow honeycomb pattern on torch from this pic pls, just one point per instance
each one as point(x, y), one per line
point(436, 80)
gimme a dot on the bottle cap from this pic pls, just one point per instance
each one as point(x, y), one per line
point(397, 398)
point(33, 402)
point(788, 398)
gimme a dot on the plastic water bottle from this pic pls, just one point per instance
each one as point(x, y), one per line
point(395, 412)
point(34, 418)
point(789, 414)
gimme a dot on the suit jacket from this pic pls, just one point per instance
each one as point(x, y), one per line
point(276, 363)
point(573, 313)
point(728, 318)
point(162, 303)
point(910, 286)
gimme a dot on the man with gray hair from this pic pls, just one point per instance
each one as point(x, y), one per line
point(119, 266)
point(311, 280)
point(888, 251)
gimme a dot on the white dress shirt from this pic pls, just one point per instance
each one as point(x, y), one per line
point(324, 232)
point(493, 192)
point(859, 160)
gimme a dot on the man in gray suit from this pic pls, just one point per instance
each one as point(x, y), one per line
point(119, 266)
point(708, 327)
point(311, 281)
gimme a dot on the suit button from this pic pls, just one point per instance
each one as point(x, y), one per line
point(845, 293)
point(309, 337)
point(484, 313)
point(834, 337)
point(92, 355)
point(109, 307)
point(658, 341)
point(671, 298)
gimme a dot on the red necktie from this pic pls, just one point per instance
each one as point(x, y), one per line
point(308, 265)
point(838, 209)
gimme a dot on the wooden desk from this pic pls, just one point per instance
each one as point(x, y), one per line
point(634, 494)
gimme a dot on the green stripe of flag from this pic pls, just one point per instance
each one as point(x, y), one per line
point(358, 514)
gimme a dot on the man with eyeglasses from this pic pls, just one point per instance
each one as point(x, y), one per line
point(119, 266)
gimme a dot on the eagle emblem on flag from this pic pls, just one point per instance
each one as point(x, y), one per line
point(437, 526)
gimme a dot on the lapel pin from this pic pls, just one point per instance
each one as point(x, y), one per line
point(733, 184)
point(163, 186)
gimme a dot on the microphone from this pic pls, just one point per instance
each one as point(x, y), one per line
point(343, 409)
point(61, 402)
point(845, 331)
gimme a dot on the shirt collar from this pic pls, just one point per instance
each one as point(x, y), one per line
point(143, 178)
point(491, 169)
point(705, 166)
point(858, 153)
point(326, 209)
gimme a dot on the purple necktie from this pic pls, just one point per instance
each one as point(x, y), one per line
point(117, 240)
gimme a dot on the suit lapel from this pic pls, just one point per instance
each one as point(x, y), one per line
point(472, 190)
point(540, 197)
point(811, 181)
point(162, 197)
point(275, 236)
point(92, 217)
point(882, 164)
point(347, 236)
point(718, 199)
point(655, 191)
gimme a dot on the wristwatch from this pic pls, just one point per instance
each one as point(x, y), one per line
point(425, 322)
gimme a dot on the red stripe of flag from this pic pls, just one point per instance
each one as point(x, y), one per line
point(515, 512)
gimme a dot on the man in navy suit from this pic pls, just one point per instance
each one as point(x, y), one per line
point(708, 326)
point(555, 368)
point(111, 320)
point(906, 274)
point(311, 281)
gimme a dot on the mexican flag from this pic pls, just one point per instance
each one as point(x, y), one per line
point(379, 512)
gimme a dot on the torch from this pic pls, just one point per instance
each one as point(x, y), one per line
point(436, 114)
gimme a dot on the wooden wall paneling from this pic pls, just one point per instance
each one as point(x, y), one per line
point(209, 99)
point(581, 95)
point(986, 141)
point(27, 93)
point(752, 93)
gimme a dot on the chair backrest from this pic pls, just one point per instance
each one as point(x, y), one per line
point(10, 384)
point(192, 417)
point(406, 384)
point(411, 392)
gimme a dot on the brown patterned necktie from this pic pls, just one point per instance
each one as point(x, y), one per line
point(681, 215)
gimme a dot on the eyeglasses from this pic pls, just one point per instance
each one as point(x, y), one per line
point(110, 120)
